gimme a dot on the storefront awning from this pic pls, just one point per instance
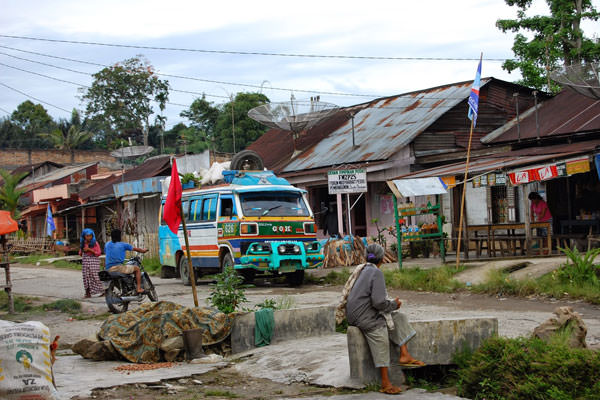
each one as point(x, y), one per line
point(418, 186)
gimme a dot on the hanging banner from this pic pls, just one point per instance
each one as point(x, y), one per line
point(578, 166)
point(550, 171)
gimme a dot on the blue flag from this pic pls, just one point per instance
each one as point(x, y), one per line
point(50, 227)
point(474, 96)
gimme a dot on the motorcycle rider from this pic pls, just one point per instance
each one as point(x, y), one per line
point(115, 256)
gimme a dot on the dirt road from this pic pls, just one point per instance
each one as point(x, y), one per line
point(516, 316)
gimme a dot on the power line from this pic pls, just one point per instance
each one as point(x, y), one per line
point(34, 98)
point(2, 109)
point(199, 79)
point(251, 53)
point(45, 76)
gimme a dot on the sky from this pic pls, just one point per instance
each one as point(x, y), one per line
point(223, 37)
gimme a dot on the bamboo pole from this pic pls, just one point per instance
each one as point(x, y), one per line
point(189, 257)
point(462, 201)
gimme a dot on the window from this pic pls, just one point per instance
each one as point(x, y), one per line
point(184, 205)
point(227, 209)
point(274, 204)
point(203, 209)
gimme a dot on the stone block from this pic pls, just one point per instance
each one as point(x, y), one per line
point(289, 325)
point(435, 343)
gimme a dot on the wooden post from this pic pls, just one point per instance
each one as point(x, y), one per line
point(524, 194)
point(340, 214)
point(189, 257)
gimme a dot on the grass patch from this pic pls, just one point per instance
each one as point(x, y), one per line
point(34, 259)
point(63, 305)
point(152, 265)
point(549, 285)
point(529, 368)
point(22, 303)
point(431, 280)
point(221, 393)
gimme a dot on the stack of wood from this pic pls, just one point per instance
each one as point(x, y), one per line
point(342, 253)
point(30, 245)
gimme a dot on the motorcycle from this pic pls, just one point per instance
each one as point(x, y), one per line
point(121, 288)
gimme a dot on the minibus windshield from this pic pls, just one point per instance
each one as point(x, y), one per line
point(273, 204)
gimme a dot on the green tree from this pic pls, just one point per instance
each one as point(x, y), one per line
point(245, 128)
point(31, 119)
point(552, 40)
point(68, 141)
point(121, 98)
point(9, 194)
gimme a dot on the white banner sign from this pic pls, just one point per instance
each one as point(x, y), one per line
point(347, 181)
point(420, 186)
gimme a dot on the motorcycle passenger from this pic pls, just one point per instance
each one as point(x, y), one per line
point(115, 256)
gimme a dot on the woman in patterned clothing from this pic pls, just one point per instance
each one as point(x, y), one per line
point(90, 263)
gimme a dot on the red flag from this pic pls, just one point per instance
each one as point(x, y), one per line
point(172, 210)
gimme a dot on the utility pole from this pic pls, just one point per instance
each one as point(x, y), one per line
point(232, 122)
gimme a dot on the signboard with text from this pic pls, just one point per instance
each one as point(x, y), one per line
point(347, 181)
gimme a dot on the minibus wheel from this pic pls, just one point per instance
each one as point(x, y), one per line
point(184, 272)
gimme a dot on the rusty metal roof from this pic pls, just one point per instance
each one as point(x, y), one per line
point(382, 127)
point(508, 160)
point(566, 113)
point(160, 165)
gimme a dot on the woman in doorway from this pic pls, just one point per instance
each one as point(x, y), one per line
point(539, 212)
point(90, 263)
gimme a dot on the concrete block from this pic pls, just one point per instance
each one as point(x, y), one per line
point(435, 343)
point(362, 368)
point(289, 325)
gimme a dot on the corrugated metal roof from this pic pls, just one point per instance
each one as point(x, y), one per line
point(566, 113)
point(63, 172)
point(507, 160)
point(154, 166)
point(382, 127)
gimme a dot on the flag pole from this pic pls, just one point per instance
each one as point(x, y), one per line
point(464, 192)
point(462, 201)
point(189, 257)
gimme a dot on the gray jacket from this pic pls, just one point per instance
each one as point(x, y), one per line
point(367, 299)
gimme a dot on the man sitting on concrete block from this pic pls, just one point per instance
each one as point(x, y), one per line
point(367, 307)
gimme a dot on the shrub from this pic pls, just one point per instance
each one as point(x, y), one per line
point(529, 368)
point(581, 268)
point(228, 293)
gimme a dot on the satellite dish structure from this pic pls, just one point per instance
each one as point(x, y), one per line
point(131, 151)
point(582, 78)
point(294, 116)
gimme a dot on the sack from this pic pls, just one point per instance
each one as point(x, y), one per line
point(25, 362)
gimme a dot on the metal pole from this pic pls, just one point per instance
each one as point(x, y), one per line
point(349, 217)
point(516, 96)
point(537, 124)
point(232, 124)
point(398, 233)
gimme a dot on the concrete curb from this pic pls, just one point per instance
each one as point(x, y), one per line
point(289, 325)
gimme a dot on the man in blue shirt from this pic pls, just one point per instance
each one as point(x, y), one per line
point(115, 256)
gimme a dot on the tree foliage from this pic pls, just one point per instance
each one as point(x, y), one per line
point(30, 120)
point(213, 124)
point(549, 40)
point(9, 194)
point(121, 96)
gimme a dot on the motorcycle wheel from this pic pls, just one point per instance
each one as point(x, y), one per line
point(149, 287)
point(113, 298)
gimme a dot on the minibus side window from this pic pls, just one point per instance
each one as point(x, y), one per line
point(195, 210)
point(227, 209)
point(209, 208)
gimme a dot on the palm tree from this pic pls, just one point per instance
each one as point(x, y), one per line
point(9, 194)
point(69, 141)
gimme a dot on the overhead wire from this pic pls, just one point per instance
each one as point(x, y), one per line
point(34, 98)
point(251, 53)
point(175, 90)
point(199, 79)
point(411, 99)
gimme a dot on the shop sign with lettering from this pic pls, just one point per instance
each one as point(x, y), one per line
point(347, 181)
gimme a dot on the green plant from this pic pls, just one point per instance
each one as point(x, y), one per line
point(152, 265)
point(581, 268)
point(64, 305)
point(267, 303)
point(189, 177)
point(529, 368)
point(228, 292)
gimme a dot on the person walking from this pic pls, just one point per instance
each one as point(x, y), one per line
point(90, 263)
point(367, 307)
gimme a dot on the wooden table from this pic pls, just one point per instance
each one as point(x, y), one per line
point(511, 237)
